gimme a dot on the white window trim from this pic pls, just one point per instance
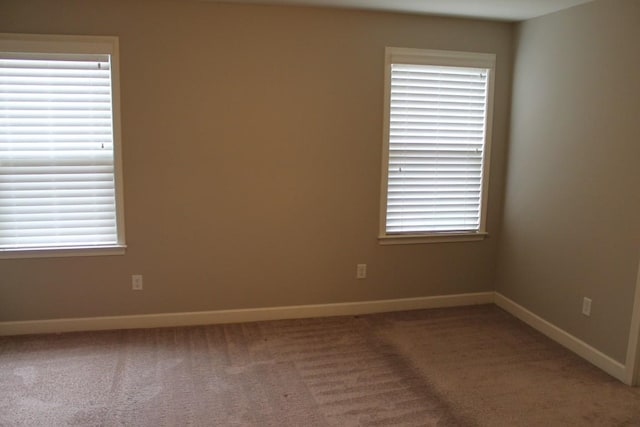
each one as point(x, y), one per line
point(64, 252)
point(79, 44)
point(444, 58)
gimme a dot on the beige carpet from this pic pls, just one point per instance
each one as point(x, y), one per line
point(472, 366)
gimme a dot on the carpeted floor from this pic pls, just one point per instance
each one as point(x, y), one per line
point(469, 366)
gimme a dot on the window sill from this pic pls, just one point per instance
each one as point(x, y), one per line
point(412, 239)
point(62, 252)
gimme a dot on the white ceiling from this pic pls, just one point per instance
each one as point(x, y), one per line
point(504, 10)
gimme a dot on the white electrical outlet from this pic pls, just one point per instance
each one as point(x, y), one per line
point(136, 282)
point(586, 306)
point(361, 271)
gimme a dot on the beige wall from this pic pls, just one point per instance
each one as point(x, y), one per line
point(252, 143)
point(572, 212)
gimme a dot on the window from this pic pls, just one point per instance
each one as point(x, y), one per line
point(60, 169)
point(436, 147)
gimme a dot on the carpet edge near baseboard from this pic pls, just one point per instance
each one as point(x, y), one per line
point(582, 349)
point(594, 356)
point(157, 320)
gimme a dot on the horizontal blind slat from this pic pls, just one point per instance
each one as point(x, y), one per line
point(95, 208)
point(60, 226)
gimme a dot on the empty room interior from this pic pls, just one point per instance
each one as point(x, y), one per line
point(255, 274)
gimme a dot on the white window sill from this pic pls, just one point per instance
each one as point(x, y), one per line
point(412, 239)
point(62, 252)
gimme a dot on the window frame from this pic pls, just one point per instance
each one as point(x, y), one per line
point(75, 44)
point(437, 58)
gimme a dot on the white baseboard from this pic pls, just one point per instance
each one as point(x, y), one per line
point(582, 349)
point(240, 315)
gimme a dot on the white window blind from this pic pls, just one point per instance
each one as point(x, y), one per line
point(57, 167)
point(437, 129)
